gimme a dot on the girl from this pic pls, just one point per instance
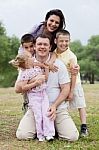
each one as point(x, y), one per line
point(36, 92)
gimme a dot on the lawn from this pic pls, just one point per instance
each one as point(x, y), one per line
point(11, 113)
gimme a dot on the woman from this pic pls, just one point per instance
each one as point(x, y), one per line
point(54, 21)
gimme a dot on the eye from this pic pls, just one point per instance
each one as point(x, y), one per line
point(31, 46)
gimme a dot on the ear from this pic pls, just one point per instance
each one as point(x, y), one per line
point(34, 46)
point(50, 48)
point(55, 40)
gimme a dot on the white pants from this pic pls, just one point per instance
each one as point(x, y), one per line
point(64, 125)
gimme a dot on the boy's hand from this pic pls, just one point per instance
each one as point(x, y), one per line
point(53, 68)
point(75, 69)
point(70, 96)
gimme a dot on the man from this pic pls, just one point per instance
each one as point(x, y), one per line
point(58, 86)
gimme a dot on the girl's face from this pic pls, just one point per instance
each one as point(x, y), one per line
point(53, 23)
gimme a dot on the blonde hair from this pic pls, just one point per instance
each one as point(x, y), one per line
point(19, 61)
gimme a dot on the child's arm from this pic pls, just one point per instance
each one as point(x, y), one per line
point(27, 86)
point(46, 73)
point(38, 77)
point(41, 65)
point(50, 63)
point(73, 80)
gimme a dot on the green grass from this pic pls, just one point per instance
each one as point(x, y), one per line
point(11, 113)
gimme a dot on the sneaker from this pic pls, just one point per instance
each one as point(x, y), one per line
point(49, 138)
point(41, 139)
point(84, 130)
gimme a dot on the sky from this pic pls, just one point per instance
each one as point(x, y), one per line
point(82, 16)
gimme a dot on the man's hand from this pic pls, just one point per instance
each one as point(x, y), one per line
point(40, 77)
point(39, 82)
point(52, 112)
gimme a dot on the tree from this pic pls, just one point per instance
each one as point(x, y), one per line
point(8, 50)
point(88, 57)
point(2, 29)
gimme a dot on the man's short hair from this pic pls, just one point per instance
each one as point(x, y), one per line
point(45, 36)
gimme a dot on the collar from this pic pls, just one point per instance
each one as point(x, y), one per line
point(62, 52)
point(49, 56)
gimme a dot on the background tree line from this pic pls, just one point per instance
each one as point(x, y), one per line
point(88, 58)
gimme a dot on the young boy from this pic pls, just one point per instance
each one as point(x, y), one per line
point(27, 44)
point(76, 96)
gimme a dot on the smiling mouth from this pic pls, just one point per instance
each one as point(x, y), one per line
point(53, 28)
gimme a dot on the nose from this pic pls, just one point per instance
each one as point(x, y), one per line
point(64, 42)
point(42, 46)
point(53, 23)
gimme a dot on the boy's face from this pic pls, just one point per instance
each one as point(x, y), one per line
point(62, 42)
point(28, 47)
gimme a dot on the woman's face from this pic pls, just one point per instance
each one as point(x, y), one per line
point(53, 23)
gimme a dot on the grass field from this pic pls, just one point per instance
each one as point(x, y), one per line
point(11, 113)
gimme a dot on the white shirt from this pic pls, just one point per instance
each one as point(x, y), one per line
point(55, 80)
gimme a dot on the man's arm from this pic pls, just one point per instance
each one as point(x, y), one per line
point(65, 88)
point(18, 83)
point(18, 86)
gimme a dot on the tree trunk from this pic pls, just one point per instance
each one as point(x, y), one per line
point(91, 78)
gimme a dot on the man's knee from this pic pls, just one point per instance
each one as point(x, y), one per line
point(74, 137)
point(69, 137)
point(25, 135)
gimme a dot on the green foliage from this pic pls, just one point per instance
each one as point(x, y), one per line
point(8, 50)
point(2, 29)
point(88, 57)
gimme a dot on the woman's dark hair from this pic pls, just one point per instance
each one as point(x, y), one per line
point(59, 13)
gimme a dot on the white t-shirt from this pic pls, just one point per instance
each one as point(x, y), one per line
point(55, 80)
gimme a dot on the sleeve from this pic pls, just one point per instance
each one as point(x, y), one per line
point(63, 74)
point(35, 30)
point(73, 61)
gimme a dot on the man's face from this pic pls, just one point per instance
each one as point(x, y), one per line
point(28, 47)
point(42, 46)
point(63, 42)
